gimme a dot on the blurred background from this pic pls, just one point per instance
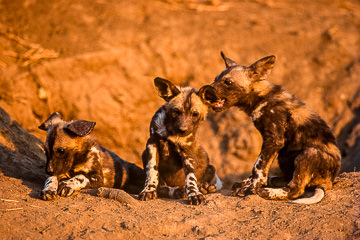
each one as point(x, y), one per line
point(96, 60)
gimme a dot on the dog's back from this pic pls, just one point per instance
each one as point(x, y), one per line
point(300, 128)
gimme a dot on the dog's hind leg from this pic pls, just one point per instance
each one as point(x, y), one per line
point(296, 187)
point(302, 176)
point(277, 182)
point(305, 163)
point(211, 182)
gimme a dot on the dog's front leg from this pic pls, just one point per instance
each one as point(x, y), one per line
point(49, 192)
point(73, 185)
point(191, 188)
point(192, 191)
point(152, 175)
point(261, 168)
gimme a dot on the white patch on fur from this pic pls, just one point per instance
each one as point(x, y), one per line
point(159, 127)
point(106, 170)
point(261, 177)
point(188, 163)
point(276, 193)
point(191, 183)
point(77, 183)
point(151, 173)
point(256, 114)
point(51, 184)
point(257, 161)
point(317, 197)
point(287, 94)
point(86, 166)
point(218, 183)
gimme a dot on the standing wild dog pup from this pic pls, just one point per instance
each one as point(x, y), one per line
point(173, 158)
point(76, 161)
point(291, 131)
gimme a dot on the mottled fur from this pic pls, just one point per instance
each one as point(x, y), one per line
point(292, 132)
point(75, 161)
point(174, 161)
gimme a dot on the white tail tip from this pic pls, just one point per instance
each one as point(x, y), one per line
point(317, 197)
point(218, 183)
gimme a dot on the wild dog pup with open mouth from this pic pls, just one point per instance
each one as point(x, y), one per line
point(174, 161)
point(292, 132)
point(75, 161)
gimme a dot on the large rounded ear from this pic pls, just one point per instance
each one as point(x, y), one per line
point(166, 89)
point(208, 95)
point(53, 119)
point(228, 61)
point(262, 68)
point(80, 128)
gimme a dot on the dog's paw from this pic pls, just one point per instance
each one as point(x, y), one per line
point(48, 195)
point(238, 189)
point(196, 198)
point(246, 187)
point(66, 189)
point(49, 192)
point(206, 188)
point(147, 195)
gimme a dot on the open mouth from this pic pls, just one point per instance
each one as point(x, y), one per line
point(219, 104)
point(214, 100)
point(209, 94)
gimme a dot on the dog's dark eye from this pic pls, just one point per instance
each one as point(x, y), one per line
point(228, 82)
point(175, 112)
point(60, 151)
point(195, 114)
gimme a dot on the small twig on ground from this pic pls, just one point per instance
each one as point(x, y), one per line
point(45, 229)
point(11, 209)
point(9, 200)
point(35, 206)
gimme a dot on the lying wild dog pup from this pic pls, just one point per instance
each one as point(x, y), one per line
point(76, 161)
point(291, 131)
point(173, 158)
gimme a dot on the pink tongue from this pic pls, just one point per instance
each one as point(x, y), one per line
point(220, 104)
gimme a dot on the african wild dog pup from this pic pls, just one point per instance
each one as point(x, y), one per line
point(174, 161)
point(291, 131)
point(75, 161)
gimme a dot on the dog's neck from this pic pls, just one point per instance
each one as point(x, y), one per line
point(256, 99)
point(250, 103)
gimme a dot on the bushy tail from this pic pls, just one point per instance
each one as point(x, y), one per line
point(282, 194)
point(218, 183)
point(317, 197)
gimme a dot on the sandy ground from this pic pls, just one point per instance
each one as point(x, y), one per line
point(25, 216)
